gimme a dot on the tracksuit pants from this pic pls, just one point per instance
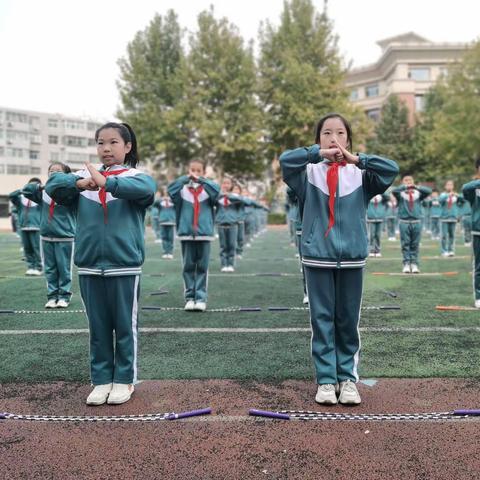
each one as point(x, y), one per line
point(448, 236)
point(375, 232)
point(291, 230)
point(467, 228)
point(57, 264)
point(298, 236)
point(31, 248)
point(410, 235)
point(111, 304)
point(195, 256)
point(227, 235)
point(167, 234)
point(435, 226)
point(476, 266)
point(156, 228)
point(240, 237)
point(335, 298)
point(391, 227)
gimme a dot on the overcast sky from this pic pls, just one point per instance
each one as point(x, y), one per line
point(61, 56)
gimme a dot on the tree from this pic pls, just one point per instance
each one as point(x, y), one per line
point(151, 87)
point(393, 135)
point(224, 117)
point(454, 139)
point(301, 75)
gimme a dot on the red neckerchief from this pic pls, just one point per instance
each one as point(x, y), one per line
point(102, 194)
point(332, 183)
point(410, 199)
point(375, 201)
point(225, 201)
point(450, 201)
point(51, 210)
point(196, 205)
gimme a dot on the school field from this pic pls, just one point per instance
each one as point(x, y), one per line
point(414, 359)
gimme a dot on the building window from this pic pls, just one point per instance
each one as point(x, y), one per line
point(92, 142)
point(419, 103)
point(75, 141)
point(2, 168)
point(53, 139)
point(35, 170)
point(2, 151)
point(17, 117)
point(419, 74)
point(354, 95)
point(16, 135)
point(54, 156)
point(34, 155)
point(77, 157)
point(53, 123)
point(373, 114)
point(74, 125)
point(372, 91)
point(93, 126)
point(35, 121)
point(15, 152)
point(36, 139)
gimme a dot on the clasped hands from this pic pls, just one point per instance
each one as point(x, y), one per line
point(338, 153)
point(95, 182)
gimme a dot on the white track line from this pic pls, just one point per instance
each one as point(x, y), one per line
point(72, 331)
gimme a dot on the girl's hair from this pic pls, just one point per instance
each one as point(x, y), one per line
point(345, 122)
point(201, 162)
point(35, 180)
point(65, 168)
point(128, 136)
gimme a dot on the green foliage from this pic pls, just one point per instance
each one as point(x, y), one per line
point(277, 219)
point(393, 135)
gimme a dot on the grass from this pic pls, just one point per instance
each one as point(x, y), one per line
point(271, 356)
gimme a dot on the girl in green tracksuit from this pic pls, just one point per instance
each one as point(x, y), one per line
point(333, 187)
point(29, 215)
point(111, 200)
point(450, 203)
point(194, 197)
point(57, 235)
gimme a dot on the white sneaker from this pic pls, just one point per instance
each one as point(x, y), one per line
point(170, 256)
point(468, 244)
point(224, 269)
point(391, 239)
point(297, 255)
point(99, 394)
point(230, 269)
point(200, 307)
point(414, 268)
point(29, 272)
point(158, 241)
point(451, 254)
point(190, 306)
point(248, 245)
point(165, 255)
point(371, 254)
point(36, 272)
point(349, 394)
point(62, 303)
point(52, 303)
point(378, 254)
point(305, 299)
point(445, 254)
point(326, 394)
point(120, 393)
point(406, 268)
point(477, 303)
point(239, 257)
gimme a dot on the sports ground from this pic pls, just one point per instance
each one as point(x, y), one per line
point(251, 349)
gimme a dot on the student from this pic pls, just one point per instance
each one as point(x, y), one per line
point(29, 214)
point(471, 192)
point(465, 213)
point(227, 211)
point(410, 197)
point(154, 211)
point(435, 213)
point(57, 235)
point(110, 249)
point(391, 217)
point(291, 210)
point(166, 221)
point(376, 212)
point(450, 203)
point(194, 197)
point(249, 219)
point(237, 190)
point(334, 187)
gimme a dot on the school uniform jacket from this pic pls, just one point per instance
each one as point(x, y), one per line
point(194, 224)
point(58, 223)
point(471, 192)
point(228, 209)
point(377, 209)
point(29, 212)
point(406, 211)
point(109, 242)
point(305, 171)
point(167, 212)
point(450, 204)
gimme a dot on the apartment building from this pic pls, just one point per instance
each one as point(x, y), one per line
point(408, 66)
point(29, 141)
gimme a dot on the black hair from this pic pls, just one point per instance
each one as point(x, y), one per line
point(434, 190)
point(345, 122)
point(201, 162)
point(35, 180)
point(128, 136)
point(477, 163)
point(65, 167)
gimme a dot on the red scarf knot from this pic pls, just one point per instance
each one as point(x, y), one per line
point(332, 183)
point(51, 209)
point(102, 194)
point(196, 205)
point(450, 201)
point(410, 199)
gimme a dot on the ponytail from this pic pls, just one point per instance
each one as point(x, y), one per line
point(128, 136)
